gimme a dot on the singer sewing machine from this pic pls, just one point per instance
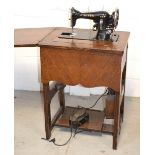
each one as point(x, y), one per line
point(103, 28)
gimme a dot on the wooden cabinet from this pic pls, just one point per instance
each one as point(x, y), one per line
point(85, 62)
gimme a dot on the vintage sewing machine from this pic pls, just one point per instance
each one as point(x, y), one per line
point(103, 28)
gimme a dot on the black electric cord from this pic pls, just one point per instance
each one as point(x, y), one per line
point(79, 107)
point(104, 94)
point(77, 131)
point(53, 140)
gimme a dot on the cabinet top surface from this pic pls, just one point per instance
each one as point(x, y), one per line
point(49, 37)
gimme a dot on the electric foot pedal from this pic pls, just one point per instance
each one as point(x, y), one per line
point(79, 117)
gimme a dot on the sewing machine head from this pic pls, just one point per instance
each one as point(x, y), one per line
point(104, 23)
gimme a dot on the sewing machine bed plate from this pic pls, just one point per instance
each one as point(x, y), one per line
point(81, 35)
point(84, 35)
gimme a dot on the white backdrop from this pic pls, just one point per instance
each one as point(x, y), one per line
point(48, 13)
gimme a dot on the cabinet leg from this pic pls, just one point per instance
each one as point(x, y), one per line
point(116, 120)
point(122, 109)
point(114, 142)
point(61, 97)
point(47, 112)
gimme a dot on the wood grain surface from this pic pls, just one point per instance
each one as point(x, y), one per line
point(30, 37)
point(86, 68)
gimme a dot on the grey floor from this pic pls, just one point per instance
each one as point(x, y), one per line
point(29, 128)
